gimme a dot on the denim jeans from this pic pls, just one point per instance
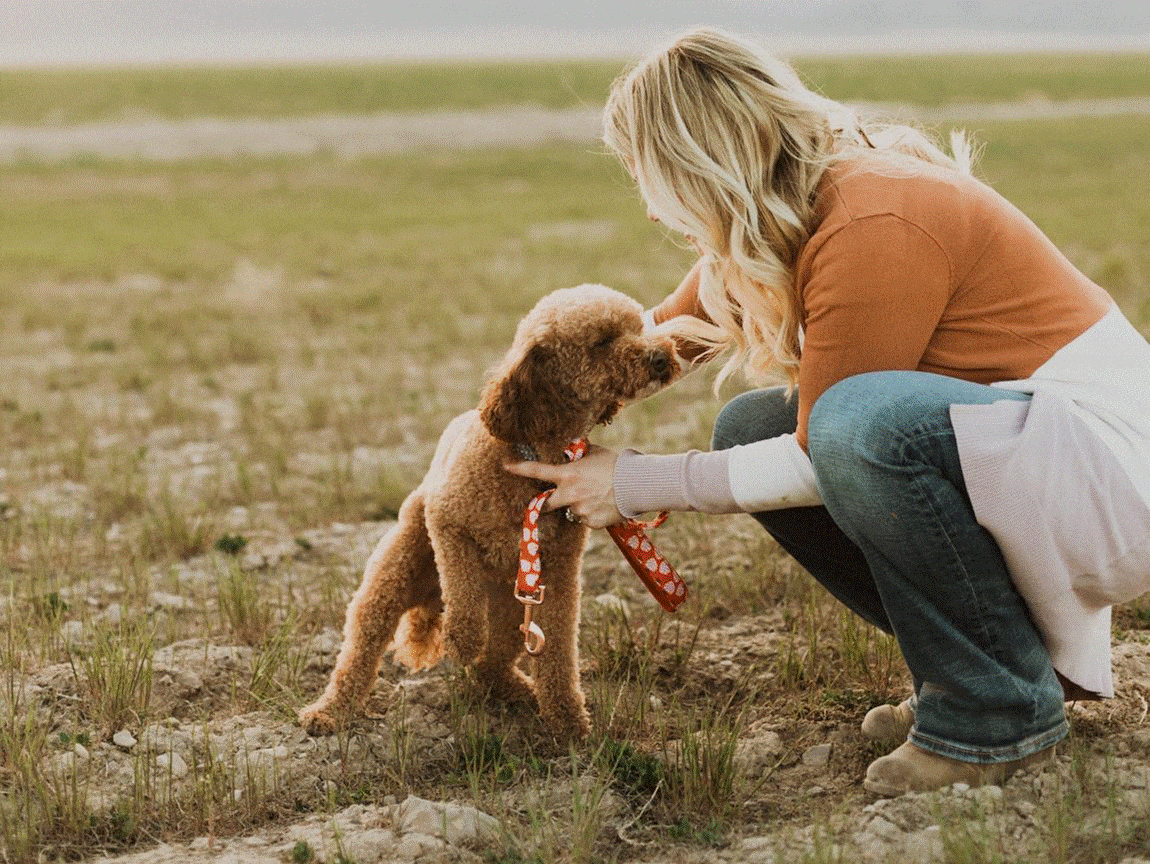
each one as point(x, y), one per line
point(896, 540)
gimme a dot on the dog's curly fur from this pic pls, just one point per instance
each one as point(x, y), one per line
point(442, 579)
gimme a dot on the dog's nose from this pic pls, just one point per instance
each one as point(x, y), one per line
point(660, 364)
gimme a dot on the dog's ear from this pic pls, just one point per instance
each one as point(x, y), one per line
point(525, 402)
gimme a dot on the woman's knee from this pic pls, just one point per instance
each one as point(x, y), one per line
point(755, 416)
point(861, 417)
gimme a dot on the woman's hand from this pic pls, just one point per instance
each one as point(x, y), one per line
point(585, 487)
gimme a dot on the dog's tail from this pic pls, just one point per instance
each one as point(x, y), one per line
point(418, 642)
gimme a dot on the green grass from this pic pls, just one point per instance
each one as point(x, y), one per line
point(478, 232)
point(73, 96)
point(173, 92)
point(979, 78)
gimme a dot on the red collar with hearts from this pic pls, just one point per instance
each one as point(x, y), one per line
point(656, 573)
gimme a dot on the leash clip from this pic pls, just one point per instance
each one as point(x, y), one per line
point(533, 638)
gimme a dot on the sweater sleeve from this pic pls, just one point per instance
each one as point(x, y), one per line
point(872, 297)
point(765, 475)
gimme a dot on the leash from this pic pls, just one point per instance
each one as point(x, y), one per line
point(652, 568)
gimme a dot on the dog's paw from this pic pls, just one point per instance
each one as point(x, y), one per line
point(567, 722)
point(513, 689)
point(317, 720)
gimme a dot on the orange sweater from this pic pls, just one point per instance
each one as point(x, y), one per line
point(934, 272)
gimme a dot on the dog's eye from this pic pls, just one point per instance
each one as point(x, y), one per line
point(605, 340)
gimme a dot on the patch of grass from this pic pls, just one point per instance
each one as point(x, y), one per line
point(702, 782)
point(115, 675)
point(573, 826)
point(243, 604)
point(231, 544)
point(944, 79)
point(173, 530)
point(177, 92)
point(287, 90)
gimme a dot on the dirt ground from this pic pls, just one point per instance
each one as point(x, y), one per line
point(803, 798)
point(801, 776)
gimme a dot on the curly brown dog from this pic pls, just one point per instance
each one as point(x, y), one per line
point(443, 577)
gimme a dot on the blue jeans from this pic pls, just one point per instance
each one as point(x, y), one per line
point(896, 541)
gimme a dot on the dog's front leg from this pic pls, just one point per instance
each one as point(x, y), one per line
point(556, 672)
point(496, 669)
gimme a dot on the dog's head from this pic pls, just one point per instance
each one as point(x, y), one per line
point(578, 356)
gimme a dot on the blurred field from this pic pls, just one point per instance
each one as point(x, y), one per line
point(209, 355)
point(72, 96)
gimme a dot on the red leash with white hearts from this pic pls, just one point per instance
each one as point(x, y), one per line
point(652, 568)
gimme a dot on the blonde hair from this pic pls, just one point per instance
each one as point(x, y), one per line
point(728, 146)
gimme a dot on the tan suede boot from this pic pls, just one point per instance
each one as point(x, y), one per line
point(888, 724)
point(912, 769)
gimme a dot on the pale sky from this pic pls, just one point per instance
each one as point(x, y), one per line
point(111, 31)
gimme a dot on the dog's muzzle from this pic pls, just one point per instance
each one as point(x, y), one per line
point(661, 364)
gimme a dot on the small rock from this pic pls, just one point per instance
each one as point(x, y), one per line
point(416, 845)
point(417, 815)
point(987, 794)
point(114, 614)
point(883, 829)
point(372, 844)
point(124, 739)
point(759, 753)
point(174, 764)
point(71, 631)
point(80, 750)
point(925, 846)
point(174, 602)
point(326, 642)
point(454, 823)
point(817, 756)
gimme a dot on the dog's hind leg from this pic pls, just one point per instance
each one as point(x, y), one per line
point(463, 579)
point(394, 579)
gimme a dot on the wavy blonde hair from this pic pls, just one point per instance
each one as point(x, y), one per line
point(728, 146)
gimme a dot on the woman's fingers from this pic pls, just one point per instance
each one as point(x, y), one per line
point(585, 487)
point(535, 470)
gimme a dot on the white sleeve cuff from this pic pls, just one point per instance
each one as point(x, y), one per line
point(772, 475)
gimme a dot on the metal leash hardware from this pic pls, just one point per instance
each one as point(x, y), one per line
point(533, 638)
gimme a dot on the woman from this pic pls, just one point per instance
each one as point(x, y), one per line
point(961, 453)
